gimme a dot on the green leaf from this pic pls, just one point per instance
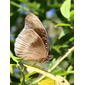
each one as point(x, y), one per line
point(63, 25)
point(11, 14)
point(29, 76)
point(22, 1)
point(58, 70)
point(72, 15)
point(65, 9)
point(14, 83)
point(58, 48)
point(16, 59)
point(11, 67)
point(52, 63)
point(34, 5)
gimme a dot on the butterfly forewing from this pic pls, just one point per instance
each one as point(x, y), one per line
point(32, 21)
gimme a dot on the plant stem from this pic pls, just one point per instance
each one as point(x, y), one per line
point(22, 73)
point(64, 25)
point(23, 81)
point(19, 6)
point(66, 73)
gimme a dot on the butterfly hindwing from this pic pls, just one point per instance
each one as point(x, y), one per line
point(30, 46)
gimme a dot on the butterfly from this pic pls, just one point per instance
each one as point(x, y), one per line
point(32, 42)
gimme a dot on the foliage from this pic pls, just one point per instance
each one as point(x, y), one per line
point(58, 18)
point(65, 9)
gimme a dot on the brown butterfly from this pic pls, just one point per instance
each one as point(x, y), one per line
point(32, 42)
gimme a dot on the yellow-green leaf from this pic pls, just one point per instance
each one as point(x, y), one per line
point(47, 81)
point(65, 8)
point(14, 58)
point(60, 81)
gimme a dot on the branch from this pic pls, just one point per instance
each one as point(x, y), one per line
point(19, 6)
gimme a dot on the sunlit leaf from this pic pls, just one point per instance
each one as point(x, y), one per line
point(11, 68)
point(16, 59)
point(29, 75)
point(72, 15)
point(65, 8)
point(47, 81)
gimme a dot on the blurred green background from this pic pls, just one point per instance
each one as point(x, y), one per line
point(58, 18)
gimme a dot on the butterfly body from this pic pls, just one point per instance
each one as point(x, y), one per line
point(31, 43)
